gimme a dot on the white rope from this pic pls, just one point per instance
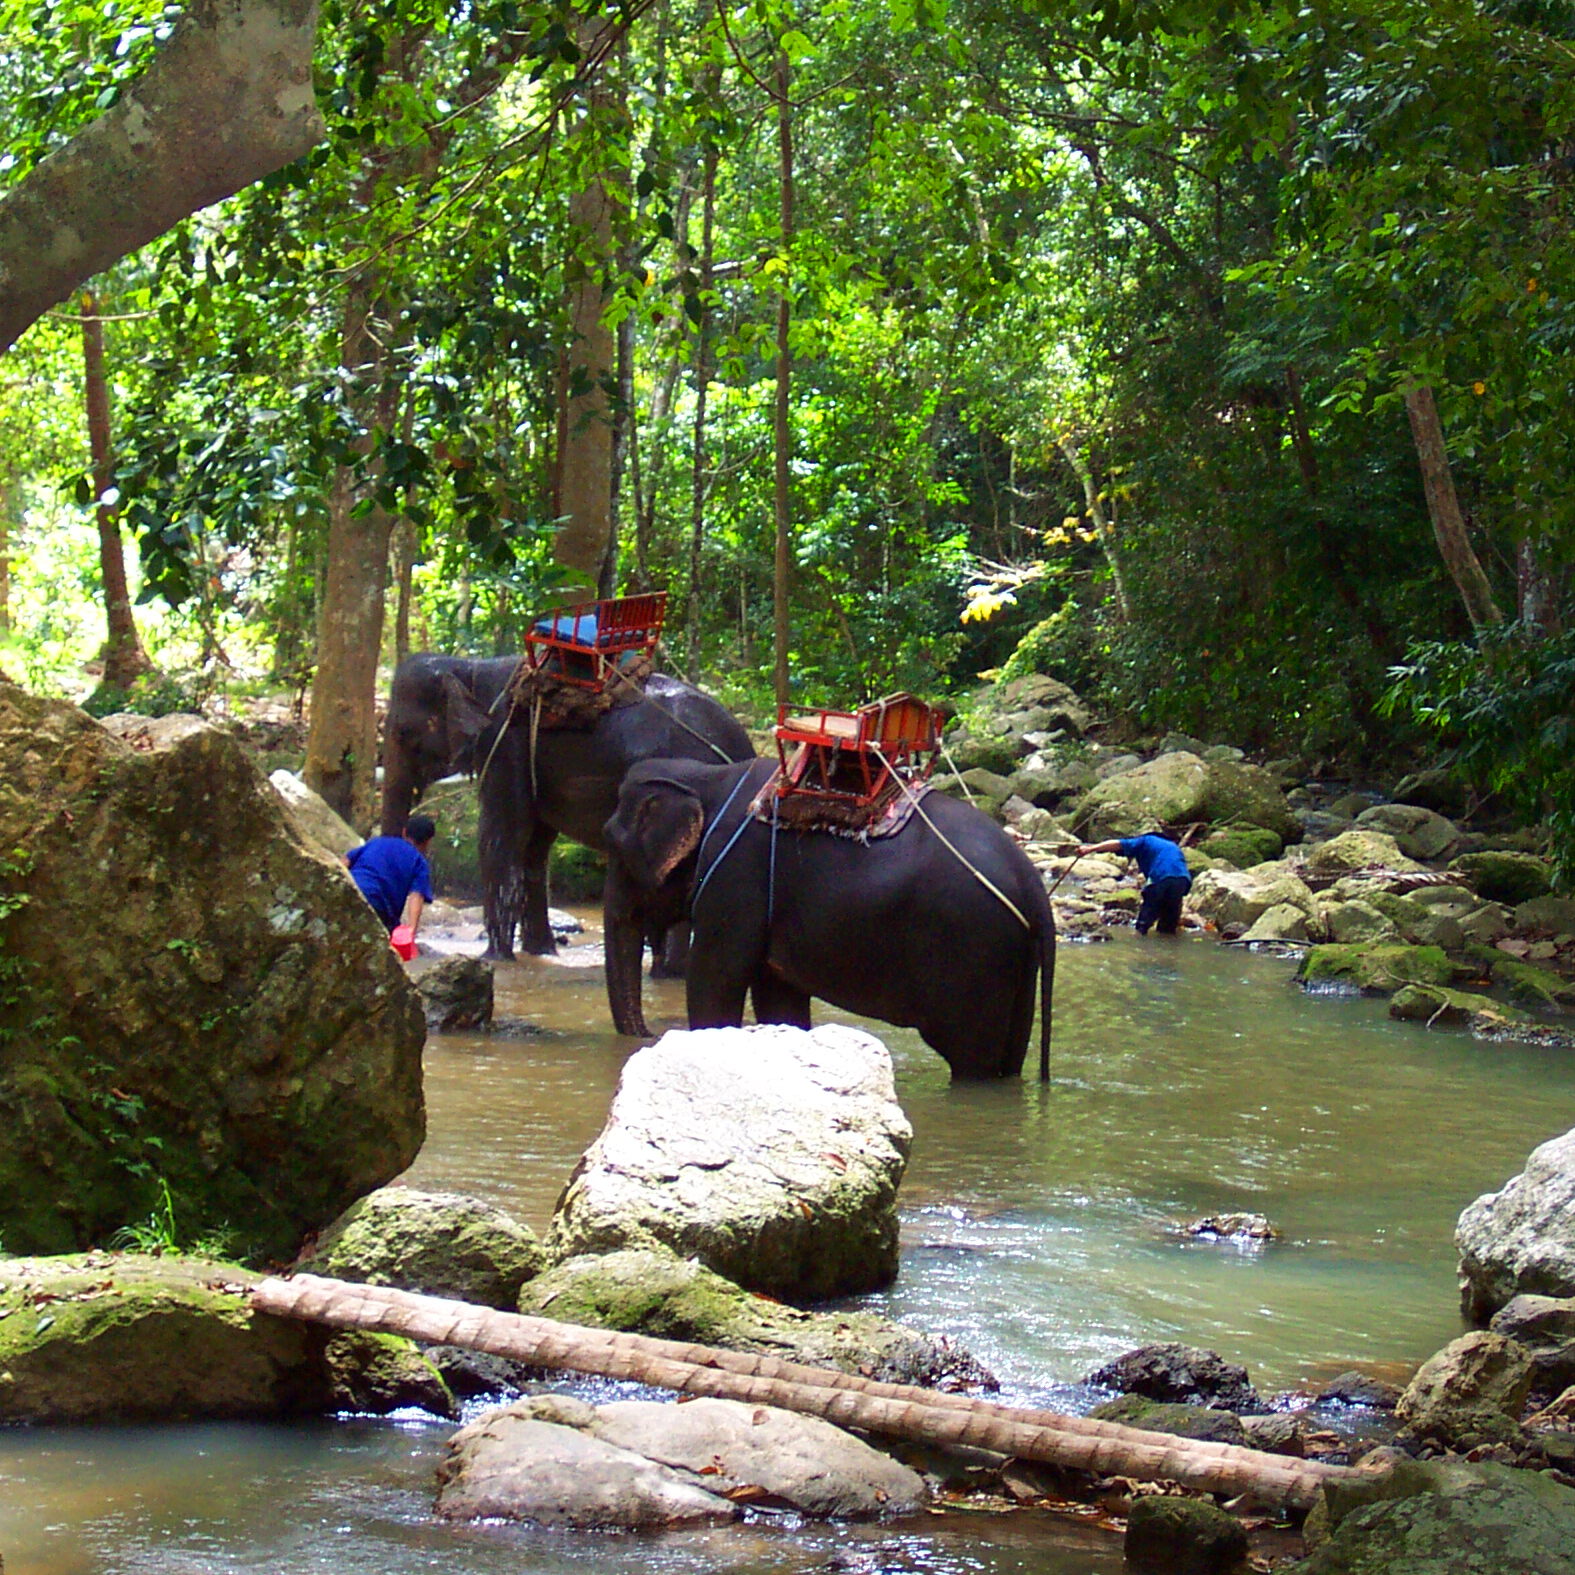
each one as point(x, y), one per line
point(978, 874)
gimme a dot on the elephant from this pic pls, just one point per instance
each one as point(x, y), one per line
point(446, 714)
point(941, 926)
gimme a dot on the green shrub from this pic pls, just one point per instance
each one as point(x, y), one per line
point(1065, 645)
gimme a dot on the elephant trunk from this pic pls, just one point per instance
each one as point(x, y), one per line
point(624, 941)
point(399, 796)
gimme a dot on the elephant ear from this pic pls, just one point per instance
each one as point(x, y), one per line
point(667, 829)
point(466, 720)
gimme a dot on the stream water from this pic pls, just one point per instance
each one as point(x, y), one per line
point(1039, 1229)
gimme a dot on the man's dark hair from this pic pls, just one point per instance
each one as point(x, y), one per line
point(420, 828)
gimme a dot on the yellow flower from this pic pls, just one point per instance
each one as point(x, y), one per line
point(1531, 286)
point(1479, 388)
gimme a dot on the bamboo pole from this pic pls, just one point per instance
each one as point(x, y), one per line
point(894, 1410)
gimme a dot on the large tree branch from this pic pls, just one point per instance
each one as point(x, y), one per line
point(226, 101)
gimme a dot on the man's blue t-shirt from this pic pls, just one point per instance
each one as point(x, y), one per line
point(1158, 857)
point(388, 869)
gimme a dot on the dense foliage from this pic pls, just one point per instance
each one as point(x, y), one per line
point(1101, 328)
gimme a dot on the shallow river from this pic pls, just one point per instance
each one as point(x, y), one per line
point(1039, 1230)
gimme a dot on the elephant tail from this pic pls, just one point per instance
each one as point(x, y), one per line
point(1046, 987)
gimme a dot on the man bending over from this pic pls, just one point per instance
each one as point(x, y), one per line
point(394, 875)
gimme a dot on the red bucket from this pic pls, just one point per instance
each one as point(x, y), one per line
point(403, 939)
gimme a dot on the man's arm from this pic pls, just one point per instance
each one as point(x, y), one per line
point(1112, 846)
point(414, 903)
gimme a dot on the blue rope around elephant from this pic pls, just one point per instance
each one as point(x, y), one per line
point(695, 900)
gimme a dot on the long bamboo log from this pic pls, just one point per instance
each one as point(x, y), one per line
point(893, 1410)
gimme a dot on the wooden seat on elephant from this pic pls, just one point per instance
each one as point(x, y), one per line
point(587, 644)
point(856, 760)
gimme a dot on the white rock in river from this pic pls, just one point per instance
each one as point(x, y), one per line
point(1521, 1239)
point(772, 1154)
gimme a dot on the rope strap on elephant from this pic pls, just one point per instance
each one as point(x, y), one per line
point(892, 1410)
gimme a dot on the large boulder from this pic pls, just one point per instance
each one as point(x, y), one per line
point(558, 1461)
point(1545, 1326)
point(457, 994)
point(1506, 877)
point(1169, 1535)
point(1358, 849)
point(1184, 1374)
point(1445, 1517)
point(1470, 1393)
point(438, 1243)
point(1179, 787)
point(1227, 897)
point(1521, 1239)
point(130, 1337)
point(311, 813)
point(199, 999)
point(1377, 968)
point(1419, 833)
point(772, 1154)
point(655, 1292)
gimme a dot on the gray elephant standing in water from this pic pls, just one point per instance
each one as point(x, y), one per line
point(447, 714)
point(943, 927)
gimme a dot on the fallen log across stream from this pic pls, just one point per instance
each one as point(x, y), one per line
point(892, 1410)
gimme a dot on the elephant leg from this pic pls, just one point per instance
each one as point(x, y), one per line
point(536, 935)
point(502, 880)
point(777, 1001)
point(670, 952)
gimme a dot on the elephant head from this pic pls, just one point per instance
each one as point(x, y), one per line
point(438, 718)
point(652, 839)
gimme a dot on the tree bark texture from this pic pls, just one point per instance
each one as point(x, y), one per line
point(341, 739)
point(782, 432)
point(703, 374)
point(1443, 508)
point(10, 515)
point(124, 658)
point(585, 425)
point(227, 100)
point(893, 1410)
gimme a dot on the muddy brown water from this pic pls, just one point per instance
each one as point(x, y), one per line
point(1039, 1229)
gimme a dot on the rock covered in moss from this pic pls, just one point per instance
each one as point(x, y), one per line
point(1549, 915)
point(1521, 1239)
point(1358, 849)
point(1471, 1392)
point(672, 1298)
point(1243, 846)
point(200, 998)
point(1206, 1423)
point(1375, 969)
point(1172, 1535)
point(1446, 1517)
point(96, 1337)
point(1434, 1003)
point(1419, 833)
point(772, 1154)
point(1507, 876)
point(438, 1243)
point(1178, 787)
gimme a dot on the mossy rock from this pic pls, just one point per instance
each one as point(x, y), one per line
point(644, 1291)
point(1180, 1421)
point(1376, 969)
point(436, 1243)
point(1525, 981)
point(1244, 846)
point(132, 1337)
point(1433, 1003)
point(1503, 876)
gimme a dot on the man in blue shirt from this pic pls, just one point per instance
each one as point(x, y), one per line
point(394, 875)
point(1166, 878)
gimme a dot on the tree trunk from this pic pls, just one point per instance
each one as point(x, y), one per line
point(703, 375)
point(227, 100)
point(1443, 508)
point(585, 431)
point(894, 1410)
point(124, 658)
point(1102, 526)
point(10, 513)
point(782, 435)
point(341, 741)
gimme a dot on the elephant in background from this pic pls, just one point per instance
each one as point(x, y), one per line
point(447, 714)
point(899, 928)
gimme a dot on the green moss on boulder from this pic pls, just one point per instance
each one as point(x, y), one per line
point(1181, 1421)
point(1374, 969)
point(658, 1293)
point(1243, 846)
point(1433, 1003)
point(1507, 877)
